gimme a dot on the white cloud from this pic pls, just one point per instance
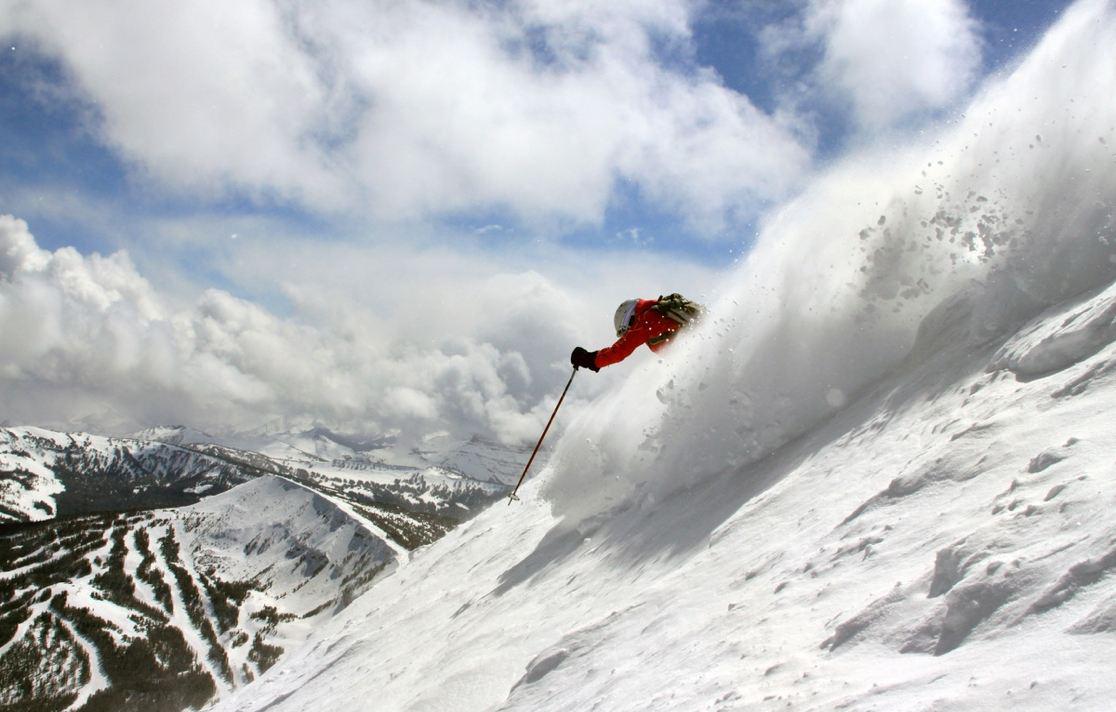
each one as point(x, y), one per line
point(413, 109)
point(202, 95)
point(377, 339)
point(887, 59)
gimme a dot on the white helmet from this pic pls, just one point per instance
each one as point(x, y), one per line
point(623, 318)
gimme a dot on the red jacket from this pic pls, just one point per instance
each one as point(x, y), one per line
point(648, 327)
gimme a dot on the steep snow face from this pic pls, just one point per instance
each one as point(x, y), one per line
point(944, 541)
point(1012, 206)
point(879, 477)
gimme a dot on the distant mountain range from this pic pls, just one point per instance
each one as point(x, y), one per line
point(46, 474)
point(109, 600)
point(165, 609)
point(474, 457)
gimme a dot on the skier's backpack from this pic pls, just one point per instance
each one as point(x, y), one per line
point(678, 308)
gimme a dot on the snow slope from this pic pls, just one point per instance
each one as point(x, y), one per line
point(880, 477)
point(947, 539)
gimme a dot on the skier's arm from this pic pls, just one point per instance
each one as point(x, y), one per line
point(631, 340)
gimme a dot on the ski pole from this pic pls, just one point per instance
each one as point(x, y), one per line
point(512, 497)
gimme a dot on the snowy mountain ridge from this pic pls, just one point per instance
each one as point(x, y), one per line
point(474, 457)
point(45, 474)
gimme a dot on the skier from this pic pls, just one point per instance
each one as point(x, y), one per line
point(641, 321)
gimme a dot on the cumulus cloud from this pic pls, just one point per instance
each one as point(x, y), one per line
point(454, 342)
point(411, 109)
point(886, 59)
point(201, 95)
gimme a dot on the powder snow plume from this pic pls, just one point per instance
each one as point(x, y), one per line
point(1007, 210)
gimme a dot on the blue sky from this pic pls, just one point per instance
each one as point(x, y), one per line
point(54, 131)
point(448, 193)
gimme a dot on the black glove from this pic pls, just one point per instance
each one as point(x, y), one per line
point(581, 358)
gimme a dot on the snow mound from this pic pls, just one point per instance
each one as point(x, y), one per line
point(1070, 334)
